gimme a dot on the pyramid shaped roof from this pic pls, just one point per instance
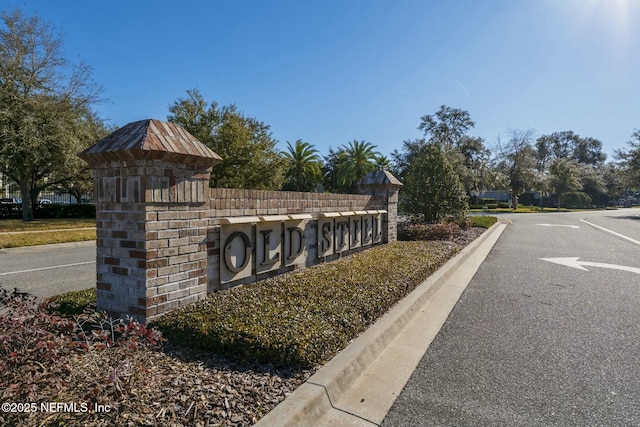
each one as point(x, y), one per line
point(379, 177)
point(151, 139)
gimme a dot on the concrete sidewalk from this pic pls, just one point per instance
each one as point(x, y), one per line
point(359, 385)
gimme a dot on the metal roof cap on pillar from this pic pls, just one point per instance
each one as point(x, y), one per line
point(151, 139)
point(379, 178)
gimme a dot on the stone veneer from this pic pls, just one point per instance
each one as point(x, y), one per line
point(158, 223)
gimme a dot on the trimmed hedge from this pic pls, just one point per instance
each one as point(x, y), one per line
point(65, 211)
point(575, 200)
point(10, 211)
point(304, 318)
point(14, 211)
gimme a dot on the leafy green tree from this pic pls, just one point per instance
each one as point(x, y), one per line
point(250, 158)
point(568, 145)
point(615, 180)
point(517, 161)
point(588, 151)
point(332, 168)
point(449, 129)
point(304, 169)
point(432, 190)
point(493, 175)
point(630, 160)
point(45, 107)
point(329, 170)
point(594, 182)
point(565, 177)
point(359, 159)
point(585, 153)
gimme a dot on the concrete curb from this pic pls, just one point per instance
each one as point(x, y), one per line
point(359, 385)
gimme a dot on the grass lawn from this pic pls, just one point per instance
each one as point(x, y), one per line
point(7, 225)
point(44, 231)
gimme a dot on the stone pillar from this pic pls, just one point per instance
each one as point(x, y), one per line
point(383, 184)
point(151, 179)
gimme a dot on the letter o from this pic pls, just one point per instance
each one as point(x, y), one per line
point(227, 251)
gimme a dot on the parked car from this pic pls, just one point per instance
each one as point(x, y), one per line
point(10, 201)
point(12, 206)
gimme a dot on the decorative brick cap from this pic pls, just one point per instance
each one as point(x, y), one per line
point(379, 178)
point(151, 140)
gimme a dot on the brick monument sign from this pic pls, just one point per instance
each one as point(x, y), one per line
point(165, 239)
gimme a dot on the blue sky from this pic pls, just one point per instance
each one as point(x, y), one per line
point(331, 71)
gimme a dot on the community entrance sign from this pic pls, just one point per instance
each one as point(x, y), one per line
point(165, 239)
point(266, 243)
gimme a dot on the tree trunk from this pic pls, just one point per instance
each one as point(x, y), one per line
point(27, 204)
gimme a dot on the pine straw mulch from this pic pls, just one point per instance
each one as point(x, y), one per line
point(141, 380)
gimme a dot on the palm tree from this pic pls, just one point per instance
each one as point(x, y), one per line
point(304, 165)
point(360, 160)
point(382, 162)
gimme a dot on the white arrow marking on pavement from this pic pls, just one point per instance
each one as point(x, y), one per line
point(559, 225)
point(574, 263)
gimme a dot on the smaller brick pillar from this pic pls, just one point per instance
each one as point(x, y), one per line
point(383, 184)
point(150, 180)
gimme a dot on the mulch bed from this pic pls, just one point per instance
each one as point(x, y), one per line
point(148, 385)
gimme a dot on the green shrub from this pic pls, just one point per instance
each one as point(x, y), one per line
point(464, 223)
point(483, 221)
point(14, 211)
point(303, 318)
point(576, 200)
point(72, 302)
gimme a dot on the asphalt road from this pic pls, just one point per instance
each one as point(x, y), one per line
point(536, 343)
point(49, 270)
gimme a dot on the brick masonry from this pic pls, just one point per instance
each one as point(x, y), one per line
point(158, 223)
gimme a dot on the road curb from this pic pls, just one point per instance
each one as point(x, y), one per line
point(327, 397)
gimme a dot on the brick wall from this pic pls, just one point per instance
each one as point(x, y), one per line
point(153, 257)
